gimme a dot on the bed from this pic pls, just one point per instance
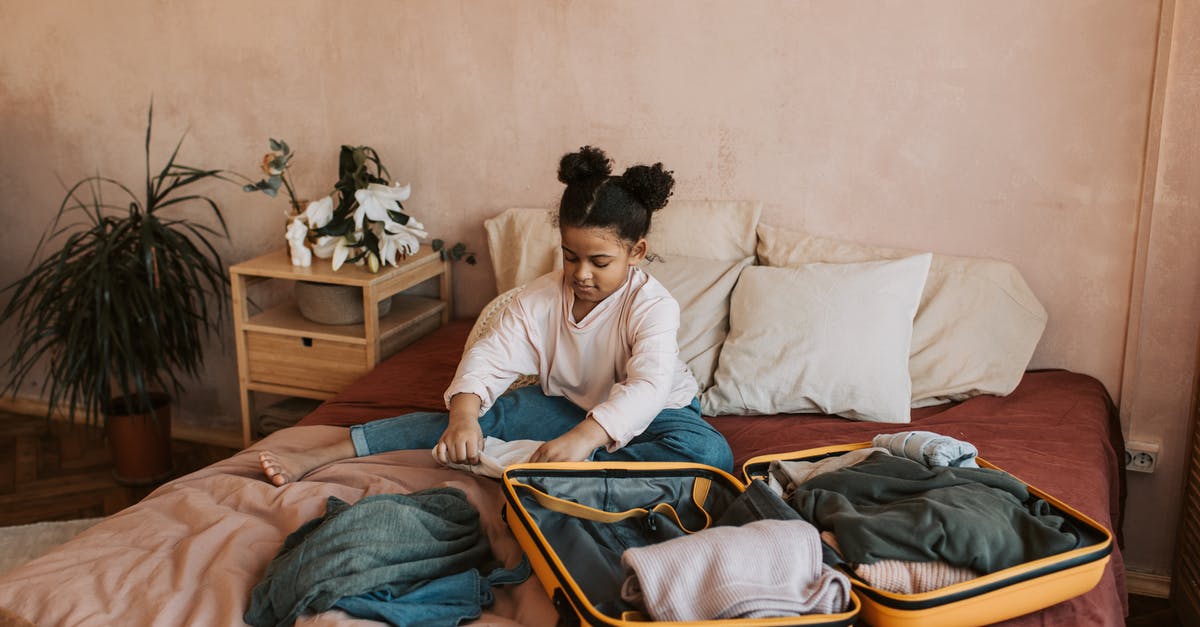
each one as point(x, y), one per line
point(191, 552)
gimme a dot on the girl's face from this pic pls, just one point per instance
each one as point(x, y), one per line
point(596, 261)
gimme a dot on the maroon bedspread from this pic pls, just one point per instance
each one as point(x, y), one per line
point(1057, 431)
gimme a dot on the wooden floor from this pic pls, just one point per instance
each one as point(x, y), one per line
point(50, 470)
point(1151, 612)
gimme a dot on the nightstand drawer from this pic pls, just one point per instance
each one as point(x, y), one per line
point(312, 363)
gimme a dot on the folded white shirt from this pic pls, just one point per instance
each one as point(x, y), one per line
point(497, 455)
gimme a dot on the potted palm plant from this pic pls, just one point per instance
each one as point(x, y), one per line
point(119, 312)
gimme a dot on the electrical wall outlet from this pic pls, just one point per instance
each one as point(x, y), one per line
point(1141, 456)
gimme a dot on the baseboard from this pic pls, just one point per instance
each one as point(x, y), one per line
point(179, 431)
point(205, 435)
point(1148, 584)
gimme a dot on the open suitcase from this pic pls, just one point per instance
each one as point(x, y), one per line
point(545, 500)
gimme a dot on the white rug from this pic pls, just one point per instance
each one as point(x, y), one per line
point(21, 543)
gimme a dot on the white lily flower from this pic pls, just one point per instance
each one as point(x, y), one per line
point(414, 226)
point(325, 245)
point(319, 212)
point(340, 253)
point(395, 191)
point(393, 245)
point(376, 200)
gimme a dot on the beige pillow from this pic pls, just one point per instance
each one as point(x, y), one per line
point(709, 229)
point(702, 288)
point(977, 326)
point(827, 338)
point(525, 243)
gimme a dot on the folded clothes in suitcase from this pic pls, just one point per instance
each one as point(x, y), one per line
point(993, 596)
point(576, 520)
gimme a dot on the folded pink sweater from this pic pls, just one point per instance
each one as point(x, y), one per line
point(761, 569)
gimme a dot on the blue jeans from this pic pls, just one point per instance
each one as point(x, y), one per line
point(675, 435)
point(443, 602)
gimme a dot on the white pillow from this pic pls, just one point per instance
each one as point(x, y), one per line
point(827, 338)
point(702, 287)
point(525, 243)
point(977, 326)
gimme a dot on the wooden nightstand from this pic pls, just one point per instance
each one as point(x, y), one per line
point(281, 352)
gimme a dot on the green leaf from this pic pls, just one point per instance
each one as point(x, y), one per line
point(275, 145)
point(471, 260)
point(437, 244)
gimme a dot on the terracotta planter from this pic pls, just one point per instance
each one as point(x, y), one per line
point(140, 443)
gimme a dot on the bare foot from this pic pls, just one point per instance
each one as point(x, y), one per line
point(281, 468)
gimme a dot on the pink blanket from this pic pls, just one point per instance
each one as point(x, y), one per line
point(190, 553)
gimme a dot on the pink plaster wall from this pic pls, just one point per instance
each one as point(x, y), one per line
point(1010, 129)
point(1163, 350)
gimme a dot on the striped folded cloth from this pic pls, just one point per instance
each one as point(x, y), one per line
point(903, 577)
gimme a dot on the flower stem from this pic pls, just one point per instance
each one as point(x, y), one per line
point(291, 192)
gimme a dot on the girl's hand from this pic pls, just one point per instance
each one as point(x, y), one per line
point(461, 443)
point(573, 446)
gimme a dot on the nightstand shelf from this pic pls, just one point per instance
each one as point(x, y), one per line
point(282, 352)
point(285, 319)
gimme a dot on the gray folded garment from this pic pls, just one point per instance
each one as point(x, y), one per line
point(929, 448)
point(762, 569)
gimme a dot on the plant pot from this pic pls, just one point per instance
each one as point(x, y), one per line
point(140, 443)
point(327, 303)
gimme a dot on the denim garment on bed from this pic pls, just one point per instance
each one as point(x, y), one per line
point(675, 435)
point(444, 602)
point(392, 542)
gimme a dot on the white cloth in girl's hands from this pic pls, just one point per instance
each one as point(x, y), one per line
point(497, 455)
point(929, 448)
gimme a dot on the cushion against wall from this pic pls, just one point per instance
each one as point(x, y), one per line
point(702, 287)
point(525, 244)
point(709, 229)
point(827, 338)
point(977, 326)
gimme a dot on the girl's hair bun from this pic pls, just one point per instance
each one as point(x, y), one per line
point(651, 185)
point(588, 163)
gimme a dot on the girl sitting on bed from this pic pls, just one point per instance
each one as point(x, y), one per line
point(601, 335)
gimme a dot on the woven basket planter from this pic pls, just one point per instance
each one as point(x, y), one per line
point(325, 303)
